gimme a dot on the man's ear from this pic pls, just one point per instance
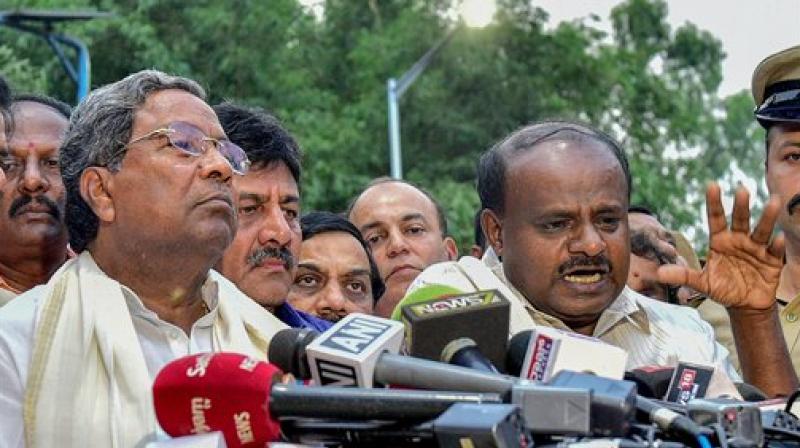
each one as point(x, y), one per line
point(493, 230)
point(451, 248)
point(96, 186)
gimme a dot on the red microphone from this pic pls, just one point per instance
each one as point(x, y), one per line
point(243, 398)
point(225, 392)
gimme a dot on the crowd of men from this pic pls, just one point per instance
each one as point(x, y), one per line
point(146, 224)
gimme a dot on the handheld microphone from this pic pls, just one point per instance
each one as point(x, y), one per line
point(550, 351)
point(517, 348)
point(424, 293)
point(689, 381)
point(433, 320)
point(465, 352)
point(682, 383)
point(235, 394)
point(361, 350)
point(224, 392)
point(469, 274)
point(651, 381)
point(346, 354)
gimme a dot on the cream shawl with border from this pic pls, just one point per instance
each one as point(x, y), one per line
point(88, 383)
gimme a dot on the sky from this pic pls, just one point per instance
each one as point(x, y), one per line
point(749, 30)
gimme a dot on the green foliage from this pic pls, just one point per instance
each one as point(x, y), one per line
point(20, 73)
point(652, 87)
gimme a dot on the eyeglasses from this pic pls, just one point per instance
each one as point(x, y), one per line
point(190, 140)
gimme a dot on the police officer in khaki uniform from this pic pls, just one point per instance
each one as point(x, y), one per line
point(776, 91)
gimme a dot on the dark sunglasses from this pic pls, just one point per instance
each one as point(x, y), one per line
point(190, 140)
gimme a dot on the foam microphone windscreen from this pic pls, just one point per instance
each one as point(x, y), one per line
point(225, 392)
point(287, 350)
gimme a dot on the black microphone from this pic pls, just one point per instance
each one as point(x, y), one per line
point(461, 425)
point(435, 318)
point(465, 352)
point(651, 382)
point(238, 396)
point(750, 392)
point(359, 356)
point(515, 357)
point(282, 354)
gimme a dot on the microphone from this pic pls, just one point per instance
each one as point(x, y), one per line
point(651, 381)
point(224, 392)
point(750, 392)
point(549, 351)
point(517, 348)
point(465, 352)
point(684, 382)
point(422, 294)
point(235, 394)
point(434, 319)
point(689, 381)
point(461, 425)
point(361, 350)
point(470, 275)
point(282, 354)
point(571, 408)
point(740, 420)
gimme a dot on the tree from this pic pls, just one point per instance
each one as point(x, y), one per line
point(652, 87)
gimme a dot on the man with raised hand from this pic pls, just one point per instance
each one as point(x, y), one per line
point(564, 246)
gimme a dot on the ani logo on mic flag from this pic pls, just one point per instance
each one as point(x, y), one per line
point(345, 354)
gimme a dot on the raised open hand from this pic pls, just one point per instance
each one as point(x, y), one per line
point(742, 269)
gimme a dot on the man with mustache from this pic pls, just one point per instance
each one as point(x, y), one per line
point(406, 228)
point(555, 197)
point(148, 173)
point(262, 257)
point(776, 91)
point(33, 236)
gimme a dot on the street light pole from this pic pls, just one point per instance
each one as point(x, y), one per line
point(42, 24)
point(394, 91)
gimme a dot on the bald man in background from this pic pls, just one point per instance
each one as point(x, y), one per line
point(406, 229)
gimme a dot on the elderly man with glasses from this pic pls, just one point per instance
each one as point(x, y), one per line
point(148, 175)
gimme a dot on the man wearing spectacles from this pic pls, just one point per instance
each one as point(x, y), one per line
point(776, 91)
point(148, 173)
point(263, 256)
point(33, 236)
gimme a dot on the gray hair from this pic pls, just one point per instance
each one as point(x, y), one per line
point(99, 130)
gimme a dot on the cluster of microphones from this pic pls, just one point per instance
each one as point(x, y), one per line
point(444, 373)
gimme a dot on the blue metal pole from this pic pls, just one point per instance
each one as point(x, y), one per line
point(395, 157)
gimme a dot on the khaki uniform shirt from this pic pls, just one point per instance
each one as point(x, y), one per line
point(790, 323)
point(717, 315)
